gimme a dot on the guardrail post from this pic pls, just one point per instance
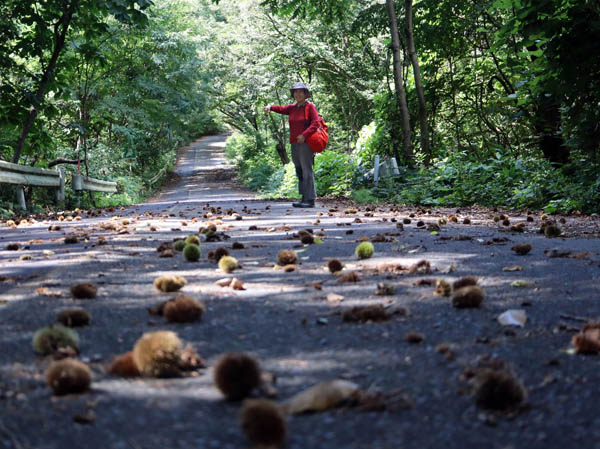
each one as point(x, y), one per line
point(395, 169)
point(60, 192)
point(376, 170)
point(21, 197)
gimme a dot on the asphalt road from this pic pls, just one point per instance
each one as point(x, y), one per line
point(294, 328)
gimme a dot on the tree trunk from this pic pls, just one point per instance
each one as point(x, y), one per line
point(548, 123)
point(60, 33)
point(399, 83)
point(412, 53)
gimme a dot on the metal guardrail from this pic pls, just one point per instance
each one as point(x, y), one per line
point(156, 177)
point(388, 167)
point(22, 175)
point(81, 182)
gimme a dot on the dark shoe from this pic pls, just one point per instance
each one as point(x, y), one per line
point(304, 204)
point(298, 204)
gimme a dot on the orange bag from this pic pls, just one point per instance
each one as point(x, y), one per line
point(318, 140)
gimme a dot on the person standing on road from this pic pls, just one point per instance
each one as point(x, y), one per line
point(300, 130)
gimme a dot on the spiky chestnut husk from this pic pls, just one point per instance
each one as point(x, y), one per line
point(191, 252)
point(289, 268)
point(169, 283)
point(73, 317)
point(183, 309)
point(179, 245)
point(124, 366)
point(228, 264)
point(468, 297)
point(68, 376)
point(84, 290)
point(157, 354)
point(442, 287)
point(521, 248)
point(263, 423)
point(236, 375)
point(164, 246)
point(307, 239)
point(220, 252)
point(286, 257)
point(71, 239)
point(334, 265)
point(464, 282)
point(303, 232)
point(48, 339)
point(363, 314)
point(498, 390)
point(552, 230)
point(192, 239)
point(364, 250)
point(349, 277)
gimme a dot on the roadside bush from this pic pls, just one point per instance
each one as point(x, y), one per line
point(283, 183)
point(526, 182)
point(333, 173)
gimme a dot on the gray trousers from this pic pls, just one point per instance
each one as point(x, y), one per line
point(303, 159)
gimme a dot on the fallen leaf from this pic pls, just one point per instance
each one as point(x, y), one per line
point(237, 284)
point(521, 284)
point(513, 268)
point(553, 253)
point(45, 291)
point(226, 282)
point(334, 298)
point(321, 397)
point(513, 317)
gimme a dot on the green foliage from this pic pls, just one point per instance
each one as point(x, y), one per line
point(128, 78)
point(334, 173)
point(283, 183)
point(459, 180)
point(363, 196)
point(254, 167)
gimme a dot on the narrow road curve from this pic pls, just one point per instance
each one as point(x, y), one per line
point(291, 320)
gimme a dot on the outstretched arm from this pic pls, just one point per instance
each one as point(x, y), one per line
point(279, 109)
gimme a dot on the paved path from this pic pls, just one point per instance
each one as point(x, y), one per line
point(295, 329)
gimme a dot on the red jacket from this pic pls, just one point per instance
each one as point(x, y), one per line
point(297, 121)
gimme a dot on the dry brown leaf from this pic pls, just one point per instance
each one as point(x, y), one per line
point(587, 342)
point(321, 397)
point(237, 284)
point(513, 268)
point(334, 298)
point(45, 291)
point(225, 282)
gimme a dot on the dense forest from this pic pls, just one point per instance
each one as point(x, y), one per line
point(490, 102)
